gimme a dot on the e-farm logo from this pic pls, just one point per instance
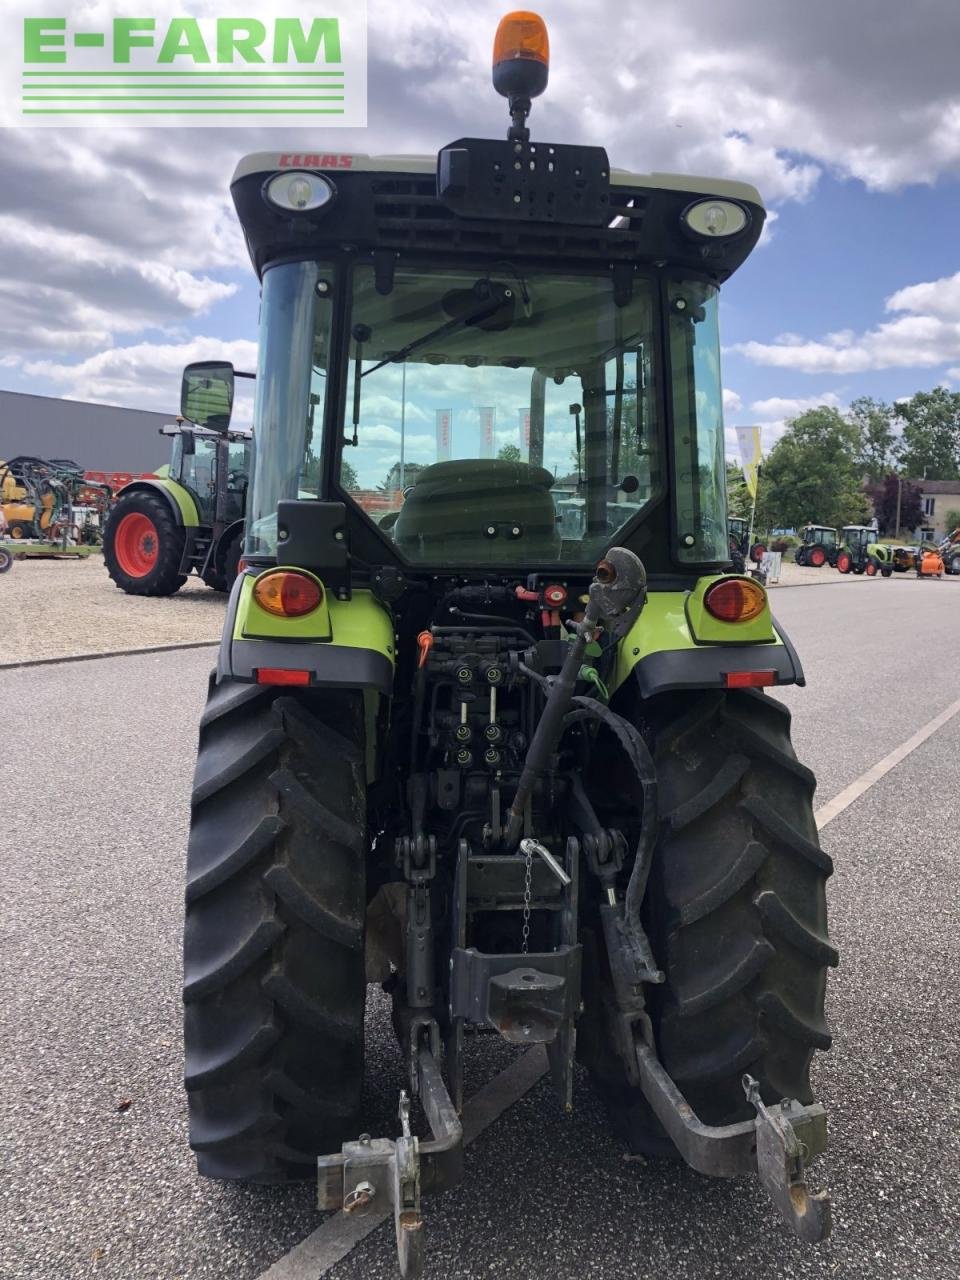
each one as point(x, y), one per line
point(306, 66)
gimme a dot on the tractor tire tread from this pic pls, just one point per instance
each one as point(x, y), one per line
point(274, 979)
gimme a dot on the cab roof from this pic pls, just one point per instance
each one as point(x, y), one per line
point(271, 161)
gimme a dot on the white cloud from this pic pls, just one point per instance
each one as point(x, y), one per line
point(778, 407)
point(732, 403)
point(145, 375)
point(926, 336)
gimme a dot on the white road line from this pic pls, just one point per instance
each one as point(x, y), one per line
point(833, 808)
point(338, 1234)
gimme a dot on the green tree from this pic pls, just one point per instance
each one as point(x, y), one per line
point(931, 434)
point(874, 422)
point(813, 473)
point(952, 520)
point(310, 475)
point(509, 453)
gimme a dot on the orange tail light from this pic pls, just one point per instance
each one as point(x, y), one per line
point(735, 600)
point(287, 594)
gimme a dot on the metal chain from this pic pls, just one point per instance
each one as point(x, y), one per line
point(525, 932)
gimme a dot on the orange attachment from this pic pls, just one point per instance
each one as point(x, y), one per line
point(521, 35)
point(281, 675)
point(735, 600)
point(424, 644)
point(286, 594)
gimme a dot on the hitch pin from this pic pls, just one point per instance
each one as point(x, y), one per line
point(534, 846)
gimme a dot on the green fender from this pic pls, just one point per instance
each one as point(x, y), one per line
point(676, 644)
point(342, 644)
point(180, 499)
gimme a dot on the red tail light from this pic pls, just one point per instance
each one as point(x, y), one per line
point(280, 675)
point(748, 679)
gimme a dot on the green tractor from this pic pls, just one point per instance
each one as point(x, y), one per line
point(741, 548)
point(859, 552)
point(819, 546)
point(161, 530)
point(530, 783)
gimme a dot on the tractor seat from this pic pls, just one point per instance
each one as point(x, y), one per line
point(479, 510)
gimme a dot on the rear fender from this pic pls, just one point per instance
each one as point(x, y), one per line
point(675, 645)
point(343, 644)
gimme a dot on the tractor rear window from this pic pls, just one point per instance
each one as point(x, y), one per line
point(500, 418)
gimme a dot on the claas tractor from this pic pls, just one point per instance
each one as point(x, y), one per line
point(529, 776)
point(190, 519)
point(859, 552)
point(741, 549)
point(819, 546)
point(949, 549)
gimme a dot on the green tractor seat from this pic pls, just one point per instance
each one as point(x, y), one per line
point(480, 510)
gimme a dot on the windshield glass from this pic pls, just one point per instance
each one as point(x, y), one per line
point(698, 452)
point(500, 418)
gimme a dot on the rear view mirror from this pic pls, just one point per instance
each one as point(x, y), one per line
point(206, 394)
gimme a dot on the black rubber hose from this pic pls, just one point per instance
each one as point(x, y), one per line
point(639, 755)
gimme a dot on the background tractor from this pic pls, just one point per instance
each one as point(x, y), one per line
point(190, 520)
point(527, 781)
point(740, 545)
point(859, 552)
point(819, 546)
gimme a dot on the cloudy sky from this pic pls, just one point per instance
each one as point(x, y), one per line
point(121, 259)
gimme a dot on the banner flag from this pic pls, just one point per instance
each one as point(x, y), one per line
point(487, 415)
point(525, 432)
point(443, 434)
point(748, 439)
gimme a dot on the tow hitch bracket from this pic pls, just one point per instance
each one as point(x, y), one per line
point(370, 1174)
point(774, 1145)
point(780, 1165)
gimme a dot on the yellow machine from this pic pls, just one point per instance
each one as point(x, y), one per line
point(29, 510)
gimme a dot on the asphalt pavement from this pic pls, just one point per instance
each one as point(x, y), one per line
point(97, 1178)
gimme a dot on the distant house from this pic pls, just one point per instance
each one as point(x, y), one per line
point(100, 437)
point(937, 497)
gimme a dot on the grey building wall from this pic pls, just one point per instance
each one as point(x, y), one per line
point(100, 437)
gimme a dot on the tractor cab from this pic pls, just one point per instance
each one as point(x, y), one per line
point(214, 467)
point(819, 546)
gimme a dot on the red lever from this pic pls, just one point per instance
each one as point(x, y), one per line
point(523, 594)
point(425, 644)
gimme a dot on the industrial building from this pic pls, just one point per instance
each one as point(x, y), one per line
point(100, 437)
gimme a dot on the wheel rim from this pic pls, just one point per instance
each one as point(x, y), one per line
point(817, 558)
point(16, 532)
point(843, 563)
point(871, 570)
point(136, 544)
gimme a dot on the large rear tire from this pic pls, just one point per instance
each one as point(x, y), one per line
point(274, 980)
point(736, 913)
point(143, 546)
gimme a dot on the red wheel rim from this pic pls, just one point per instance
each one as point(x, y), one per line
point(817, 557)
point(871, 570)
point(136, 544)
point(843, 563)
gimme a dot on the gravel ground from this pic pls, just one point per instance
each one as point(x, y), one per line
point(55, 608)
point(90, 1010)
